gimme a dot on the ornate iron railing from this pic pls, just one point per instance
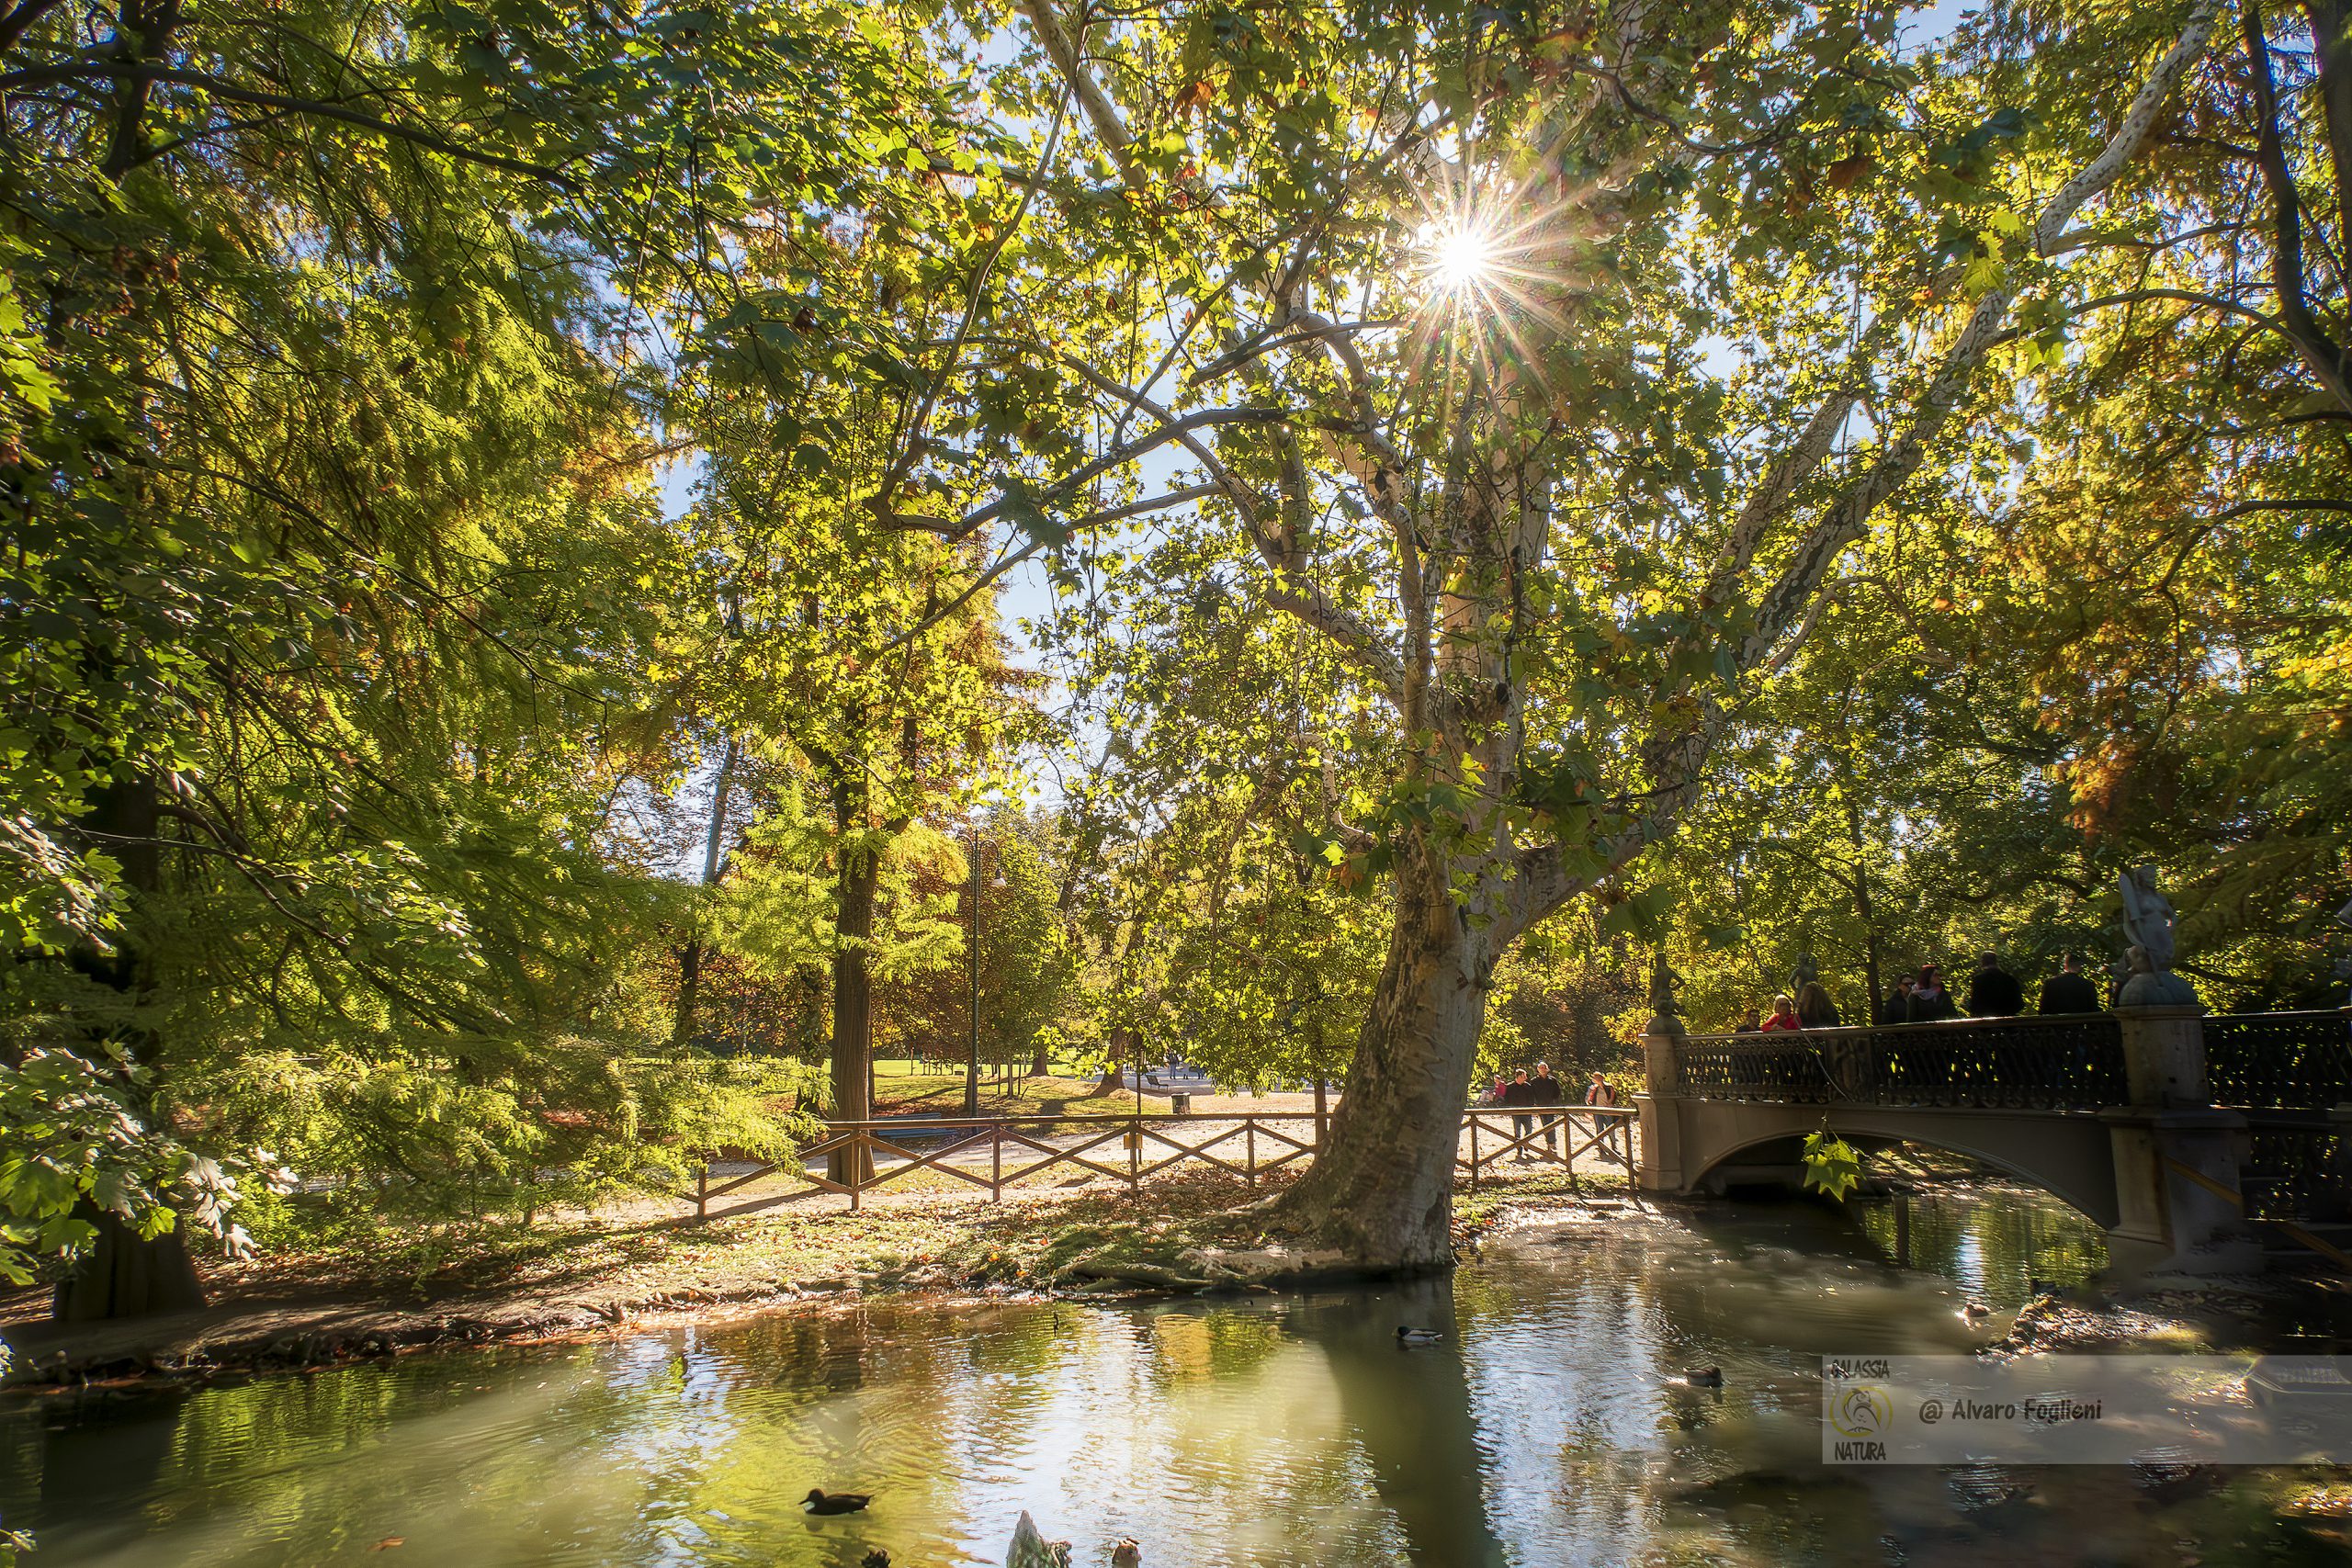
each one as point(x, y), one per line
point(2280, 1060)
point(2296, 1167)
point(2071, 1062)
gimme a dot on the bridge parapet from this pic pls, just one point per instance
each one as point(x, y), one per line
point(2069, 1062)
point(2279, 1060)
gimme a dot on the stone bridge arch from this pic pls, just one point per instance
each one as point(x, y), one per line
point(2069, 1156)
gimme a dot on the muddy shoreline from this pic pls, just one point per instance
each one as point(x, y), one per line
point(262, 1337)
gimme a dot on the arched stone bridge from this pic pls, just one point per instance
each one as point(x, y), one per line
point(2185, 1138)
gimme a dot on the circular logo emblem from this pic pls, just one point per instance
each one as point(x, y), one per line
point(1861, 1411)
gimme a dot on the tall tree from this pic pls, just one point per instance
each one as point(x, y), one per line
point(323, 644)
point(1456, 274)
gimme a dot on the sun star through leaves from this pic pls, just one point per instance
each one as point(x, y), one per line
point(1462, 258)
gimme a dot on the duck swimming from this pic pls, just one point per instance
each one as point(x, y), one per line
point(1976, 1309)
point(822, 1502)
point(1705, 1377)
point(1417, 1336)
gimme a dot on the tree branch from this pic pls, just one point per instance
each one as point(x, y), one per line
point(18, 22)
point(1850, 516)
point(140, 70)
point(1030, 550)
point(1064, 51)
point(2326, 359)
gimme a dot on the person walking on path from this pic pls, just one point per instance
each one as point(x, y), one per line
point(1896, 1007)
point(1517, 1097)
point(1547, 1094)
point(1993, 991)
point(1815, 1009)
point(1600, 1092)
point(1929, 1001)
point(2069, 990)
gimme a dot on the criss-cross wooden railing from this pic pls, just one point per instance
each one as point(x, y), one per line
point(1555, 1136)
point(1130, 1145)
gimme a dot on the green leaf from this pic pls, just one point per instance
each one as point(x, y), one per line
point(1831, 1166)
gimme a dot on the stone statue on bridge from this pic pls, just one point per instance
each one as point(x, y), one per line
point(2151, 927)
point(1665, 1019)
point(2147, 915)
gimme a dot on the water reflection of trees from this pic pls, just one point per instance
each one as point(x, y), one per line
point(1569, 1354)
point(1995, 1248)
point(1270, 1430)
point(1408, 1414)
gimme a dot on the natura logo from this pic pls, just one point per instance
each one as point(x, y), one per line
point(1861, 1411)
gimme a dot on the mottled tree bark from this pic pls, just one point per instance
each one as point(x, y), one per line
point(1382, 1189)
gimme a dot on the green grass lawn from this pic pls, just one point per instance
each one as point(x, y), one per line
point(921, 1088)
point(938, 1225)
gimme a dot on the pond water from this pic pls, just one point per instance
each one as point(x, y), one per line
point(1276, 1430)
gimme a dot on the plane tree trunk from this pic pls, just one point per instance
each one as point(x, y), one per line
point(1381, 1192)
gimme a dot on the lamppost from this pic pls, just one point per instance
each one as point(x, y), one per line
point(972, 964)
point(972, 968)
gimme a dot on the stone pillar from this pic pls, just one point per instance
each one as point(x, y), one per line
point(2164, 1052)
point(1660, 1108)
point(2177, 1156)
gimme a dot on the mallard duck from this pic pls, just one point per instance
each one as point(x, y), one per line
point(1976, 1309)
point(1417, 1336)
point(824, 1502)
point(878, 1558)
point(1705, 1377)
point(1126, 1554)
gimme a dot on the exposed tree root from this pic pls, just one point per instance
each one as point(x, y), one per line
point(1238, 1251)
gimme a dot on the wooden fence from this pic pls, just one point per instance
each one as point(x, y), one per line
point(1131, 1145)
point(1606, 1131)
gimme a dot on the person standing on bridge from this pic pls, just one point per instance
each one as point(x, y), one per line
point(1929, 1001)
point(1815, 1009)
point(2069, 990)
point(1896, 1007)
point(1546, 1093)
point(1784, 1016)
point(1993, 991)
